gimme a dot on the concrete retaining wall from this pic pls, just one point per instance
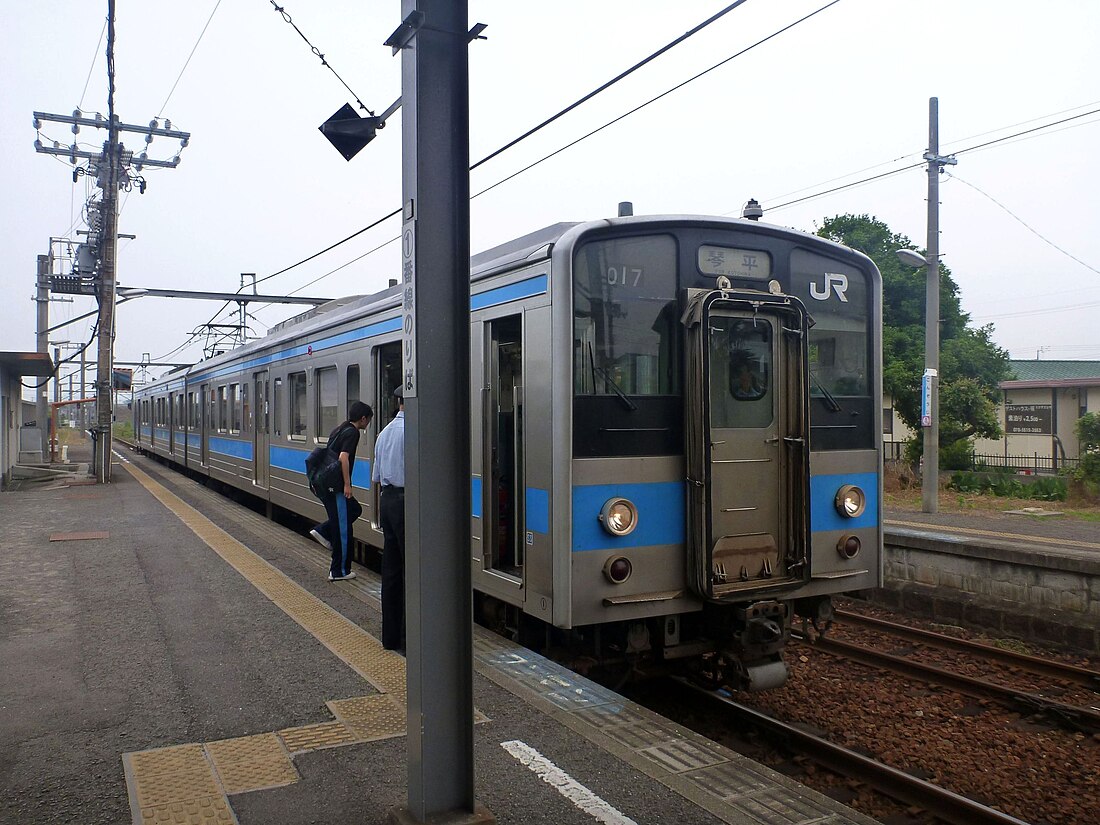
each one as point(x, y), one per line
point(1012, 590)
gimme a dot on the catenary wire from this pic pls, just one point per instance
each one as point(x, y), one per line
point(611, 82)
point(573, 143)
point(91, 68)
point(1023, 223)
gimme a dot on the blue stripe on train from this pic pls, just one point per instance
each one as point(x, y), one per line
point(662, 510)
point(823, 490)
point(231, 447)
point(294, 460)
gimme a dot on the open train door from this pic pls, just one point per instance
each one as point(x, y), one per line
point(747, 425)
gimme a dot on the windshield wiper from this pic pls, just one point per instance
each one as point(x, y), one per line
point(830, 402)
point(615, 388)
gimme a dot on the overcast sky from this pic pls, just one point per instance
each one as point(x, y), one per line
point(839, 97)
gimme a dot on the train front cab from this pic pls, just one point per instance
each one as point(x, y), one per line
point(724, 539)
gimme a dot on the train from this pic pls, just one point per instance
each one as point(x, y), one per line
point(676, 425)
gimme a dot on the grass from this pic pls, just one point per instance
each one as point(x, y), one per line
point(908, 499)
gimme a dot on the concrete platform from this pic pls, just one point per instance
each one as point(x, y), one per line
point(181, 659)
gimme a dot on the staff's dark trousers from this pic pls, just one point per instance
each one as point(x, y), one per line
point(392, 517)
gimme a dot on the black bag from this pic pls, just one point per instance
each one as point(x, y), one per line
point(323, 471)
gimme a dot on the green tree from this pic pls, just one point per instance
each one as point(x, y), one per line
point(1088, 431)
point(971, 365)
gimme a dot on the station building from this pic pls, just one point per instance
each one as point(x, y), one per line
point(1039, 407)
point(19, 442)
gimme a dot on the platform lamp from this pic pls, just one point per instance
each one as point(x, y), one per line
point(930, 390)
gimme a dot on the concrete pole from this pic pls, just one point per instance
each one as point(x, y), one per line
point(42, 340)
point(931, 476)
point(436, 379)
point(83, 390)
point(109, 171)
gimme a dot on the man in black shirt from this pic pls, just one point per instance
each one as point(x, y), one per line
point(341, 507)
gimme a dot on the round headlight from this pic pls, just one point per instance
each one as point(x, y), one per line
point(850, 501)
point(619, 516)
point(618, 569)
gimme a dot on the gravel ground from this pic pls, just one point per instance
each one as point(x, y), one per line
point(1031, 770)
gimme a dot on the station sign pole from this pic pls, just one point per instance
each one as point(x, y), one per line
point(435, 241)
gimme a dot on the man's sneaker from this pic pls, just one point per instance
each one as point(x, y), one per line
point(345, 577)
point(321, 540)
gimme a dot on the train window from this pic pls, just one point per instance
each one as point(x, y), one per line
point(353, 385)
point(297, 398)
point(192, 411)
point(234, 408)
point(838, 296)
point(626, 324)
point(276, 407)
point(223, 413)
point(741, 372)
point(328, 401)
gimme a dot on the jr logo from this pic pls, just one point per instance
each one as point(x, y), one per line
point(834, 281)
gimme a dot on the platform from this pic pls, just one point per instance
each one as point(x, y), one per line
point(170, 656)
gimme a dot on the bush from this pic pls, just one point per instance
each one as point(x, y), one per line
point(1042, 489)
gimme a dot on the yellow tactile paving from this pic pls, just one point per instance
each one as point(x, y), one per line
point(178, 786)
point(315, 737)
point(189, 783)
point(250, 763)
point(370, 717)
point(211, 810)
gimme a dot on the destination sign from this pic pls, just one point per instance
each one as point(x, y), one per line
point(735, 263)
point(1028, 419)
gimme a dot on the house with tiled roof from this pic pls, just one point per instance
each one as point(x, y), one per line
point(1040, 405)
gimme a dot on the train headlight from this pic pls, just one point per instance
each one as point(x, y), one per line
point(619, 516)
point(618, 569)
point(851, 501)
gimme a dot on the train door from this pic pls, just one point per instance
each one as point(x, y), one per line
point(750, 531)
point(260, 430)
point(206, 421)
point(387, 371)
point(503, 440)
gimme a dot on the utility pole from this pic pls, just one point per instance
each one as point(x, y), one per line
point(112, 168)
point(41, 397)
point(930, 420)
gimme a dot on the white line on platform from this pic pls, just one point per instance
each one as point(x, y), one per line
point(566, 785)
point(119, 457)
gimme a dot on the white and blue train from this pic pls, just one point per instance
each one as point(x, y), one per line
point(676, 430)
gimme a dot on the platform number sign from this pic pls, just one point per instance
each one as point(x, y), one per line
point(408, 314)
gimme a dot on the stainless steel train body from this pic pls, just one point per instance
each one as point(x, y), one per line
point(676, 427)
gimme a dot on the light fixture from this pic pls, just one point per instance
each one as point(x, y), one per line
point(619, 516)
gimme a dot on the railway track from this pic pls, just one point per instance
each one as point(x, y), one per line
point(1031, 664)
point(946, 805)
point(1074, 717)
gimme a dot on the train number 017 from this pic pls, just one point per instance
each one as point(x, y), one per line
point(624, 275)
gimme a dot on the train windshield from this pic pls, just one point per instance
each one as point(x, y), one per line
point(625, 325)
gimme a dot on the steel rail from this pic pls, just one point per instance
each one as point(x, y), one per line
point(1033, 664)
point(1076, 717)
point(946, 805)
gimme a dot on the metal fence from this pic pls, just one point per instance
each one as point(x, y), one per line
point(1034, 463)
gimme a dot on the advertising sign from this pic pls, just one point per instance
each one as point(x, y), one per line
point(1028, 419)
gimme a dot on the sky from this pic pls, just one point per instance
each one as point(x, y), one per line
point(837, 98)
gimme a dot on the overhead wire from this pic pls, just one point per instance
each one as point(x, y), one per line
point(187, 62)
point(595, 131)
point(718, 15)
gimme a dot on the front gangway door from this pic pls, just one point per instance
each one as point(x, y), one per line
point(747, 451)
